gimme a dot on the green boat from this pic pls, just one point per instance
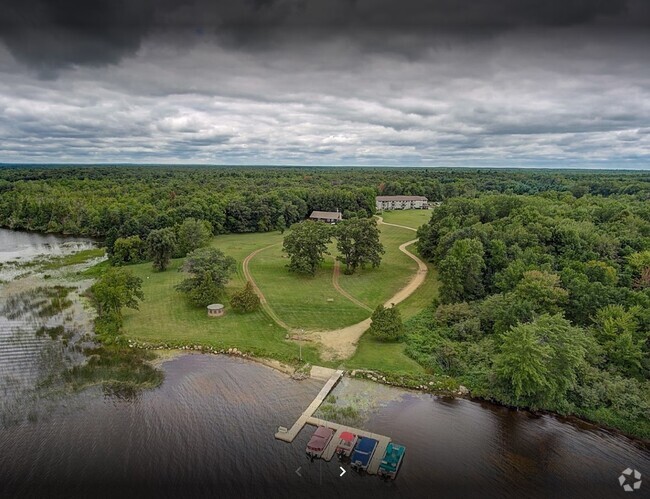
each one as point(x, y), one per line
point(391, 461)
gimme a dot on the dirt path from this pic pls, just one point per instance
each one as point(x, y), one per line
point(341, 343)
point(335, 282)
point(265, 305)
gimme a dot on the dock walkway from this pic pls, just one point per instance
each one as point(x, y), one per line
point(307, 418)
point(289, 435)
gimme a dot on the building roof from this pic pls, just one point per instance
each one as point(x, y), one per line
point(215, 306)
point(401, 198)
point(326, 214)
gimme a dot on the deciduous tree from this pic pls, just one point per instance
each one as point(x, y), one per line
point(115, 289)
point(192, 234)
point(161, 244)
point(209, 271)
point(306, 244)
point(358, 242)
point(538, 361)
point(127, 250)
point(461, 271)
point(386, 324)
point(245, 300)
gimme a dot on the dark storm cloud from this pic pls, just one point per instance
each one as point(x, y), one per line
point(48, 35)
point(443, 82)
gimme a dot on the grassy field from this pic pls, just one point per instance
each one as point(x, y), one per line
point(375, 286)
point(409, 218)
point(386, 357)
point(301, 301)
point(166, 316)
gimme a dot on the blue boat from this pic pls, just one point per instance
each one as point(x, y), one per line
point(391, 461)
point(363, 453)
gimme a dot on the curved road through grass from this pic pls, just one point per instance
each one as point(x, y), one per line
point(335, 282)
point(265, 304)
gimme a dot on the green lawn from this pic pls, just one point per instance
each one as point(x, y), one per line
point(386, 357)
point(375, 286)
point(409, 218)
point(165, 315)
point(430, 288)
point(302, 301)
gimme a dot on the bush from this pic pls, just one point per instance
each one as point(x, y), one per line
point(386, 324)
point(245, 300)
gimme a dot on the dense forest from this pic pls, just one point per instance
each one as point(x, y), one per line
point(93, 201)
point(544, 302)
point(545, 275)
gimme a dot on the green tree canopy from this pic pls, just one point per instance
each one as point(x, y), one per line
point(461, 271)
point(209, 270)
point(616, 330)
point(115, 289)
point(358, 242)
point(538, 361)
point(127, 250)
point(161, 244)
point(306, 244)
point(245, 300)
point(386, 324)
point(192, 234)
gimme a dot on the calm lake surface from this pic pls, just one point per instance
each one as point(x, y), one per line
point(25, 245)
point(207, 431)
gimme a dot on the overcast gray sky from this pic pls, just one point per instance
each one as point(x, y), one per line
point(327, 82)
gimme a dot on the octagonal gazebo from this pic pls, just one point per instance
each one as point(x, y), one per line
point(216, 310)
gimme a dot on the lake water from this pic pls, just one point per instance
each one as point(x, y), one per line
point(25, 245)
point(207, 431)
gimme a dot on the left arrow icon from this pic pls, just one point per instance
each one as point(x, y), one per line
point(298, 471)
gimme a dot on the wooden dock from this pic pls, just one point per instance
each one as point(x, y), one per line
point(328, 453)
point(289, 435)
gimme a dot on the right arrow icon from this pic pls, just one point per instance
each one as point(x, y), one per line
point(342, 471)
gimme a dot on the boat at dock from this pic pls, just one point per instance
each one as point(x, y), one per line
point(391, 461)
point(346, 444)
point(318, 441)
point(363, 453)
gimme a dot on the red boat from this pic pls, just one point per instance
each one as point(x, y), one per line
point(319, 441)
point(346, 444)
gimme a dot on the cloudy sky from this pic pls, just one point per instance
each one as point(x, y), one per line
point(327, 82)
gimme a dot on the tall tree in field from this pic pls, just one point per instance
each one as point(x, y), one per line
point(161, 244)
point(193, 234)
point(358, 242)
point(115, 289)
point(306, 244)
point(538, 361)
point(386, 324)
point(209, 271)
point(127, 250)
point(461, 271)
